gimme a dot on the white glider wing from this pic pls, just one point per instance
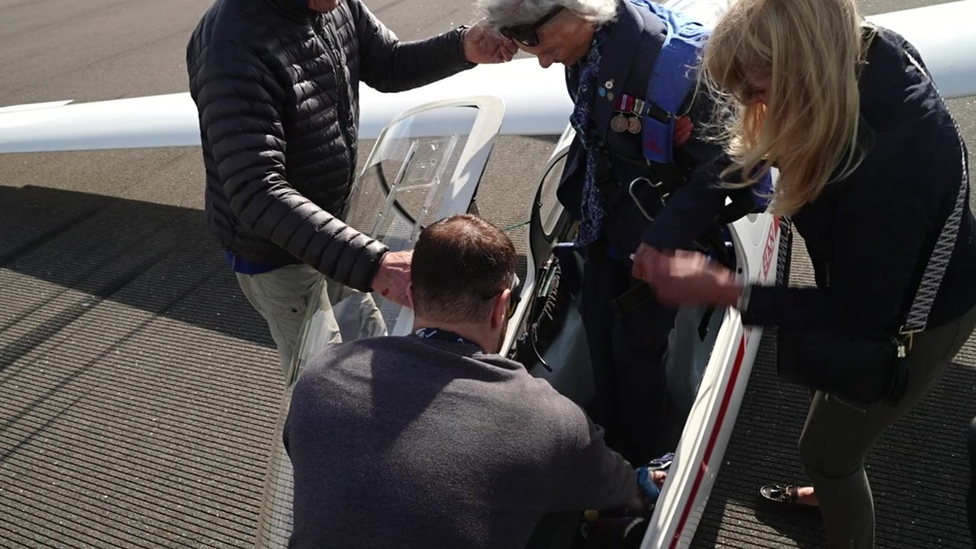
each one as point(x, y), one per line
point(945, 35)
point(536, 104)
point(535, 99)
point(141, 122)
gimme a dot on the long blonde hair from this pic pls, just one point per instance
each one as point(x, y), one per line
point(810, 51)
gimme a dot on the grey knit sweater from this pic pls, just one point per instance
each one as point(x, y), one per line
point(407, 442)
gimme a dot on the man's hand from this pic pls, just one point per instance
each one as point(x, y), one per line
point(484, 45)
point(685, 278)
point(393, 277)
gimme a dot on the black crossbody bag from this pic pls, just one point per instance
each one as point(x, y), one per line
point(860, 369)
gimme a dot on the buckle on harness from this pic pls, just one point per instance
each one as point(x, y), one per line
point(659, 114)
point(653, 185)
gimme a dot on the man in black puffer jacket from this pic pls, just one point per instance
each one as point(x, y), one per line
point(276, 83)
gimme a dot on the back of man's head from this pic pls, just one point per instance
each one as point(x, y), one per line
point(459, 264)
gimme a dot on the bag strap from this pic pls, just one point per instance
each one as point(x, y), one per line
point(928, 288)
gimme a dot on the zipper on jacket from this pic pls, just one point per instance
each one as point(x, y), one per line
point(342, 86)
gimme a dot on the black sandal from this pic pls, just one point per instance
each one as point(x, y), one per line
point(784, 495)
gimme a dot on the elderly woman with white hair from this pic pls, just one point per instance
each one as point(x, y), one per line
point(615, 188)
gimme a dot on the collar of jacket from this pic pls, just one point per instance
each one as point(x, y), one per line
point(294, 9)
point(889, 85)
point(631, 28)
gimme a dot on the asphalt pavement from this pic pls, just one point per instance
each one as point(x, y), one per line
point(139, 390)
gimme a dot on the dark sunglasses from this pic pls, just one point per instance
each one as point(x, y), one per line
point(514, 300)
point(526, 34)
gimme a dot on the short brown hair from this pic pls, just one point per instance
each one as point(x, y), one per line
point(459, 264)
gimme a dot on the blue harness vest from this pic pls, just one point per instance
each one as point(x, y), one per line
point(674, 73)
point(672, 77)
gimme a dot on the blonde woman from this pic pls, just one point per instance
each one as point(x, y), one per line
point(871, 167)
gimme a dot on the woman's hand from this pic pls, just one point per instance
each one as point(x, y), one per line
point(681, 278)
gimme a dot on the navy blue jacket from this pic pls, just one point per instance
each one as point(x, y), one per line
point(870, 235)
point(633, 43)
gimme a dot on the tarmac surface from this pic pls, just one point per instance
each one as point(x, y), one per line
point(139, 390)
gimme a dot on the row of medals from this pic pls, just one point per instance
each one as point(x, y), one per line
point(622, 123)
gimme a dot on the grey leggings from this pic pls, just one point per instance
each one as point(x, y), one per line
point(836, 438)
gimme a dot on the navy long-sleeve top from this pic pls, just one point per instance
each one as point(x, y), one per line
point(870, 235)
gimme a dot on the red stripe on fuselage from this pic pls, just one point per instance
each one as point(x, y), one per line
point(712, 439)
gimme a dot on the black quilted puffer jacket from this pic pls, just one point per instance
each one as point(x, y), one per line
point(277, 90)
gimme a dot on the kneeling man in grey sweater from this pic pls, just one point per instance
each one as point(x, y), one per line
point(433, 439)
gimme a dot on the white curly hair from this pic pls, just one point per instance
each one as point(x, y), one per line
point(507, 13)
